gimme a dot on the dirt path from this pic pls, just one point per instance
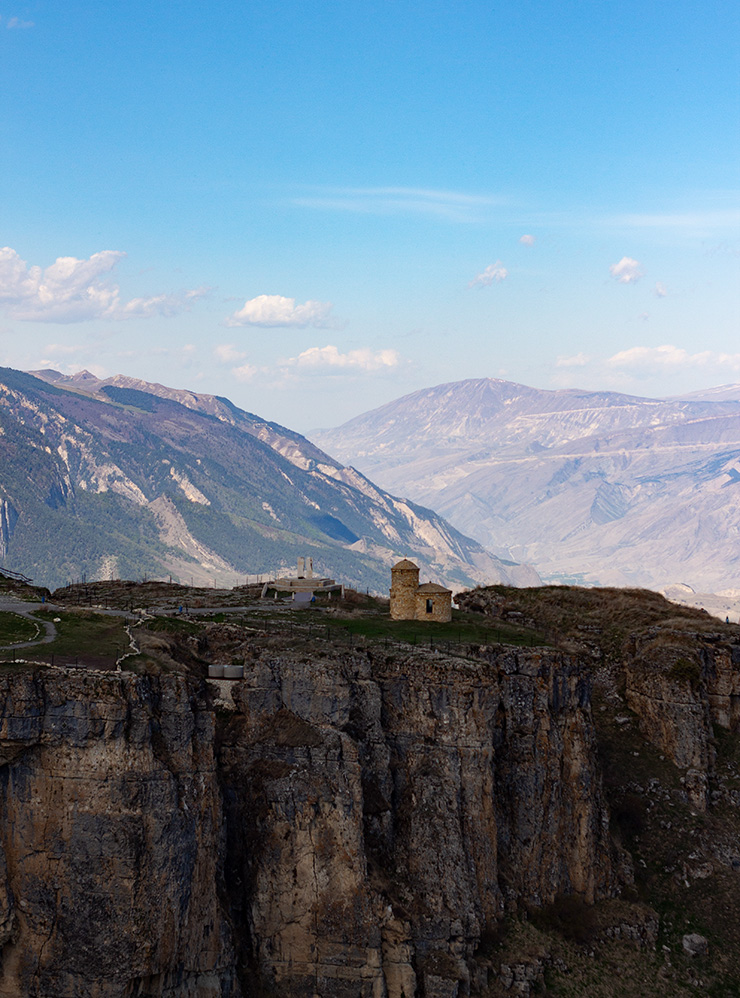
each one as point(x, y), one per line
point(9, 604)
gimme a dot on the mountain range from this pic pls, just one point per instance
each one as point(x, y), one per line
point(595, 487)
point(122, 478)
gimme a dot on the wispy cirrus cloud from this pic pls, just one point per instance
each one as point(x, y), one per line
point(577, 360)
point(698, 221)
point(277, 310)
point(72, 290)
point(669, 357)
point(627, 271)
point(635, 366)
point(227, 353)
point(454, 206)
point(16, 23)
point(493, 274)
point(362, 359)
point(244, 372)
point(63, 349)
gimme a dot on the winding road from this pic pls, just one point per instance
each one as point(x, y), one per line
point(10, 604)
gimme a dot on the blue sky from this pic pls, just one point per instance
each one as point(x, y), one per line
point(315, 208)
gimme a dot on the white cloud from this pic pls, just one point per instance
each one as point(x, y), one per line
point(453, 206)
point(627, 271)
point(245, 372)
point(362, 359)
point(63, 348)
point(276, 310)
point(227, 353)
point(527, 240)
point(633, 368)
point(660, 290)
point(72, 290)
point(493, 272)
point(577, 360)
point(700, 221)
point(16, 22)
point(669, 357)
point(142, 308)
point(181, 354)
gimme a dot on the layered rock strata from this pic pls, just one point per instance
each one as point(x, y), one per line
point(680, 685)
point(384, 813)
point(343, 826)
point(111, 831)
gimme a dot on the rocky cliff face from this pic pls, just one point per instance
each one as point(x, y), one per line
point(680, 686)
point(384, 813)
point(111, 834)
point(676, 668)
point(344, 825)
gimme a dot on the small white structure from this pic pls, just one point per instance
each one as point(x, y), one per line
point(304, 581)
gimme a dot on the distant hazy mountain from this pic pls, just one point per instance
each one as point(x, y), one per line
point(120, 478)
point(595, 486)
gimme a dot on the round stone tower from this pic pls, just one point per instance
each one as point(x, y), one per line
point(404, 583)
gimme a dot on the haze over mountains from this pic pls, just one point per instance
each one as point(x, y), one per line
point(121, 478)
point(586, 486)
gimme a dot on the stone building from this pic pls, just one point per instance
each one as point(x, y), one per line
point(411, 601)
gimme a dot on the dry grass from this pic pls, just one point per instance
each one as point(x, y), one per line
point(602, 619)
point(123, 594)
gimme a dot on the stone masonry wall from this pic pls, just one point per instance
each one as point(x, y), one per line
point(441, 607)
point(404, 583)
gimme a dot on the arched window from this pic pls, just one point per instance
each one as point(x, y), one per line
point(430, 606)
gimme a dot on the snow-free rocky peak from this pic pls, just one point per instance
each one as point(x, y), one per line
point(123, 478)
point(594, 486)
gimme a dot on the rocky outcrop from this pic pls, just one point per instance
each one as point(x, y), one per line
point(680, 685)
point(338, 826)
point(8, 520)
point(111, 832)
point(677, 667)
point(383, 813)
